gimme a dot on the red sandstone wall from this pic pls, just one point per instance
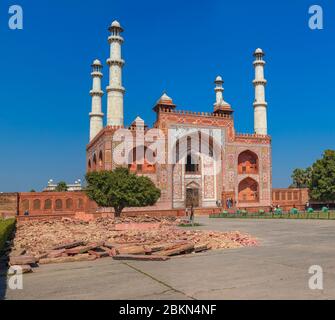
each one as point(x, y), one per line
point(50, 203)
point(74, 204)
point(288, 198)
point(8, 204)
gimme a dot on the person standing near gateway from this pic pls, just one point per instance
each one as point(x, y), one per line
point(192, 215)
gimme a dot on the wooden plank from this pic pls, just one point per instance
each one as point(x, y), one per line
point(131, 257)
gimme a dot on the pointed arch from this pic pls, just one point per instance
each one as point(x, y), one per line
point(248, 163)
point(101, 160)
point(94, 166)
point(248, 191)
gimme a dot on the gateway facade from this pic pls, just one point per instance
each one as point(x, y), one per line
point(204, 163)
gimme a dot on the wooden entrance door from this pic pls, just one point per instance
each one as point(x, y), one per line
point(192, 198)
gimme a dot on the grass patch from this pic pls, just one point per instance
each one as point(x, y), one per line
point(6, 229)
point(317, 215)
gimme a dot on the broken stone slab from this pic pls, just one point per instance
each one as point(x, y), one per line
point(131, 257)
point(16, 253)
point(99, 254)
point(112, 252)
point(187, 248)
point(139, 250)
point(77, 258)
point(201, 248)
point(84, 249)
point(22, 260)
point(70, 245)
point(56, 253)
point(109, 245)
point(41, 256)
point(166, 246)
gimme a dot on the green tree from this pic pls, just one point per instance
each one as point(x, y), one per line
point(61, 187)
point(301, 178)
point(121, 189)
point(322, 186)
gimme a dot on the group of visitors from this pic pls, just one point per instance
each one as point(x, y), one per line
point(230, 203)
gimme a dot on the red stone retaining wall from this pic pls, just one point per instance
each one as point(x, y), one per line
point(288, 198)
point(57, 205)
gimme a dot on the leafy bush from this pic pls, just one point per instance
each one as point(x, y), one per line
point(6, 229)
point(310, 210)
point(244, 213)
point(224, 214)
point(294, 211)
point(278, 211)
point(261, 212)
point(325, 210)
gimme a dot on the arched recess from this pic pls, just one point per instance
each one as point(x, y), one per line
point(58, 204)
point(248, 191)
point(101, 161)
point(47, 204)
point(136, 162)
point(248, 163)
point(193, 195)
point(80, 203)
point(69, 204)
point(94, 166)
point(25, 205)
point(37, 204)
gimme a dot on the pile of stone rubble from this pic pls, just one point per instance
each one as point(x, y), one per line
point(143, 239)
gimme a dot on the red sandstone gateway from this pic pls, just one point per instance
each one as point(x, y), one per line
point(229, 171)
point(244, 160)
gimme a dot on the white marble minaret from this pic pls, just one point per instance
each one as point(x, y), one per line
point(115, 89)
point(219, 93)
point(260, 105)
point(96, 116)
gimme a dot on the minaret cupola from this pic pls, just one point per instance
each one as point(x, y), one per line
point(220, 105)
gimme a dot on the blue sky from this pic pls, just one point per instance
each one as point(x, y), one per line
point(177, 46)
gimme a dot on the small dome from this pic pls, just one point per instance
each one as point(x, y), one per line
point(138, 119)
point(96, 62)
point(116, 24)
point(259, 50)
point(165, 97)
point(218, 79)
